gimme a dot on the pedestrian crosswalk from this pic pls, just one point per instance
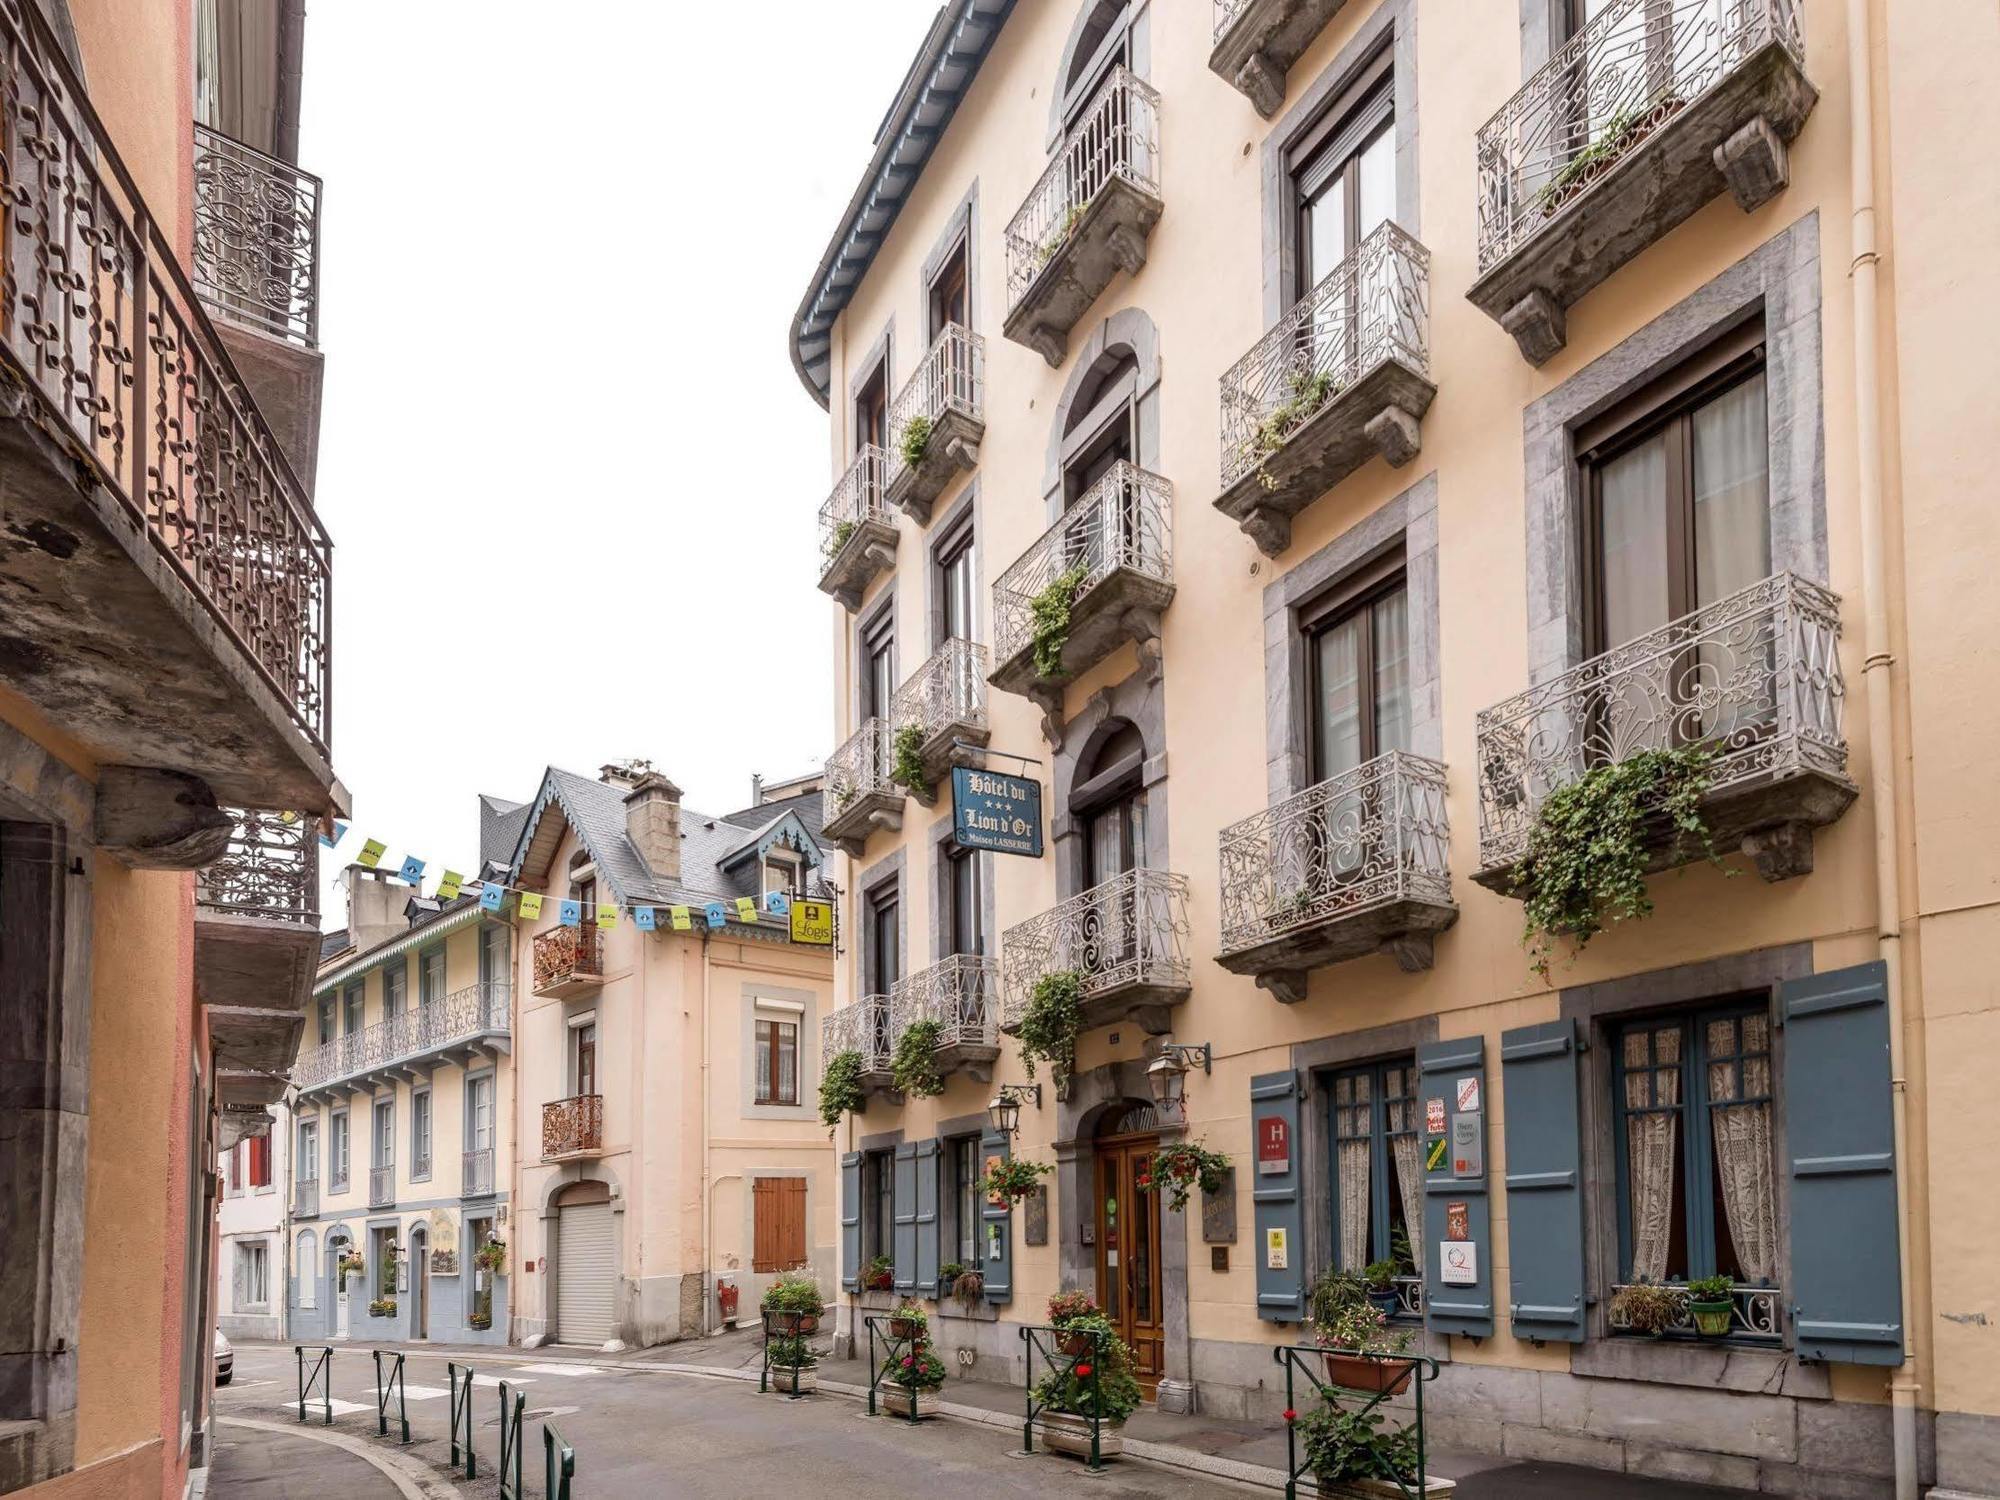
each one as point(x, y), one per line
point(511, 1375)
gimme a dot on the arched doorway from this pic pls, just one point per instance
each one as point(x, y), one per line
point(1130, 1287)
point(586, 1265)
point(420, 1282)
point(337, 1246)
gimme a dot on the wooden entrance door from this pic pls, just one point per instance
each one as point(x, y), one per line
point(1128, 1252)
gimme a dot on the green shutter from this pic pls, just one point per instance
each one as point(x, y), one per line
point(1544, 1193)
point(905, 1250)
point(1847, 1285)
point(1276, 1200)
point(850, 1222)
point(997, 1251)
point(1442, 1067)
point(927, 1218)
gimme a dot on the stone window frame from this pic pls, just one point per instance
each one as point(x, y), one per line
point(1393, 25)
point(954, 525)
point(239, 1299)
point(1136, 23)
point(939, 840)
point(1408, 521)
point(960, 229)
point(807, 1020)
point(1130, 328)
point(1779, 282)
point(1141, 701)
point(884, 876)
point(877, 356)
point(872, 617)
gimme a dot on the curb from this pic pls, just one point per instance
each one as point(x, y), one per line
point(414, 1481)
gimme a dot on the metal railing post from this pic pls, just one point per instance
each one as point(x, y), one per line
point(558, 1464)
point(461, 1414)
point(382, 1390)
point(1411, 1369)
point(322, 1376)
point(513, 1405)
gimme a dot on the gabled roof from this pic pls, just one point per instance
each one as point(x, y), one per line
point(500, 823)
point(787, 830)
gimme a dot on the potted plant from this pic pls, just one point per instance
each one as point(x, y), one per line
point(1381, 1278)
point(968, 1288)
point(793, 1305)
point(879, 1275)
point(918, 1377)
point(1711, 1305)
point(1349, 1453)
point(1067, 1309)
point(1646, 1307)
point(1012, 1179)
point(794, 1364)
point(351, 1264)
point(491, 1256)
point(1050, 1023)
point(1176, 1169)
point(840, 1089)
point(1349, 1329)
point(382, 1307)
point(907, 767)
point(1099, 1384)
point(909, 1321)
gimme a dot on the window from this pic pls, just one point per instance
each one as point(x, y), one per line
point(337, 1162)
point(395, 989)
point(1697, 1176)
point(253, 1271)
point(1343, 176)
point(878, 666)
point(420, 1133)
point(493, 955)
point(871, 410)
point(878, 1197)
point(1104, 43)
point(777, 1061)
point(235, 1181)
point(384, 1144)
point(350, 1005)
point(778, 1224)
point(963, 1160)
point(382, 1261)
point(1109, 800)
point(430, 976)
point(965, 933)
point(308, 1269)
point(1357, 664)
point(781, 872)
point(1102, 429)
point(1378, 1190)
point(955, 590)
point(260, 1161)
point(583, 1058)
point(306, 1168)
point(479, 1112)
point(326, 1031)
point(950, 300)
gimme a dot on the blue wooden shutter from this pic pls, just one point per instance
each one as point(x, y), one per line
point(1275, 1198)
point(1538, 1078)
point(1464, 1310)
point(996, 1253)
point(905, 1250)
point(1847, 1284)
point(850, 1222)
point(927, 1218)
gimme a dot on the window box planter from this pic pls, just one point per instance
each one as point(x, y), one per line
point(903, 1328)
point(1384, 1489)
point(1067, 1433)
point(1354, 1372)
point(896, 1403)
point(479, 1321)
point(788, 1382)
point(382, 1308)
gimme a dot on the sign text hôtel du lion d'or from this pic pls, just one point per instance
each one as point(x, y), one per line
point(1001, 813)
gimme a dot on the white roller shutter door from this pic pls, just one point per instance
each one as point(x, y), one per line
point(585, 1274)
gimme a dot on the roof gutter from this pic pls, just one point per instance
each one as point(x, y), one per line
point(417, 936)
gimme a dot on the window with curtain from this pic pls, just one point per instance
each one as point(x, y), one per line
point(255, 1273)
point(1697, 1173)
point(430, 976)
point(1343, 177)
point(777, 1061)
point(955, 589)
point(350, 1021)
point(1378, 1187)
point(337, 1152)
point(1358, 665)
point(878, 1196)
point(306, 1167)
point(965, 931)
point(965, 1174)
point(384, 1143)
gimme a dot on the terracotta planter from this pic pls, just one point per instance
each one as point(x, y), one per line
point(1063, 1432)
point(1351, 1372)
point(902, 1328)
point(1074, 1344)
point(1384, 1489)
point(894, 1401)
point(1711, 1319)
point(786, 1380)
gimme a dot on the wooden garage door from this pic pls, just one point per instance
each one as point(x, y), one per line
point(585, 1273)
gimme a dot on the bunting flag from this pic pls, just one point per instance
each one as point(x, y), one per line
point(683, 919)
point(412, 871)
point(530, 906)
point(777, 903)
point(746, 908)
point(607, 914)
point(642, 918)
point(371, 853)
point(448, 884)
point(570, 913)
point(717, 914)
point(491, 895)
point(339, 833)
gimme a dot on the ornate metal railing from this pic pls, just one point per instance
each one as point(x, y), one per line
point(961, 994)
point(856, 498)
point(1366, 837)
point(565, 953)
point(478, 1010)
point(305, 1198)
point(1118, 136)
point(1409, 1298)
point(1756, 1312)
point(949, 688)
point(1756, 675)
point(867, 1027)
point(477, 1178)
point(1125, 520)
point(859, 768)
point(1131, 930)
point(270, 870)
point(100, 326)
point(381, 1186)
point(952, 377)
point(573, 1125)
point(1372, 307)
point(1633, 68)
point(336, 1179)
point(256, 238)
point(1226, 12)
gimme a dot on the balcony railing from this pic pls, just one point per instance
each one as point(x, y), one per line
point(481, 1010)
point(937, 420)
point(477, 1181)
point(568, 959)
point(859, 794)
point(867, 1027)
point(1257, 41)
point(1361, 859)
point(1128, 936)
point(99, 324)
point(1756, 1313)
point(1226, 13)
point(573, 1126)
point(944, 700)
point(381, 1186)
point(256, 238)
point(270, 871)
point(1756, 676)
point(857, 535)
point(961, 994)
point(1122, 528)
point(305, 1198)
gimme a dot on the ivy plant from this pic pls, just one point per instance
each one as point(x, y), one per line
point(915, 1064)
point(840, 1088)
point(1048, 614)
point(1586, 862)
point(1050, 1024)
point(837, 543)
point(1310, 391)
point(907, 769)
point(916, 439)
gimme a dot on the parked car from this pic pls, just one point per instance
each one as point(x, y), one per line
point(225, 1359)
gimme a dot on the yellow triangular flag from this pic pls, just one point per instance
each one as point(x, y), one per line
point(746, 908)
point(531, 906)
point(448, 885)
point(607, 914)
point(371, 853)
point(682, 921)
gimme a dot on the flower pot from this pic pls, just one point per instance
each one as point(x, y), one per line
point(1074, 1344)
point(1711, 1319)
point(902, 1328)
point(894, 1401)
point(804, 1381)
point(1384, 1489)
point(1354, 1373)
point(1383, 1302)
point(808, 1323)
point(1064, 1432)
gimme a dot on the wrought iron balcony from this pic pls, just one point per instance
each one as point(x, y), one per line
point(569, 961)
point(866, 1027)
point(1127, 940)
point(857, 535)
point(860, 796)
point(1345, 375)
point(381, 1187)
point(1088, 217)
point(1360, 863)
point(1635, 123)
point(477, 1178)
point(464, 1026)
point(1756, 1315)
point(936, 423)
point(944, 703)
point(173, 608)
point(1112, 554)
point(305, 1199)
point(1257, 41)
point(1755, 675)
point(573, 1127)
point(961, 994)
point(256, 238)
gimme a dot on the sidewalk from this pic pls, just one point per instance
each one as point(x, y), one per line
point(252, 1464)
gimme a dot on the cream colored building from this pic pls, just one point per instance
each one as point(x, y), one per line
point(1380, 415)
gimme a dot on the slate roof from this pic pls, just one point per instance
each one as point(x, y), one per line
point(808, 805)
point(500, 823)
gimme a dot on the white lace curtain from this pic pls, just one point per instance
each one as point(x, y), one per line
point(1354, 1204)
point(1744, 1170)
point(1652, 1084)
point(1409, 1183)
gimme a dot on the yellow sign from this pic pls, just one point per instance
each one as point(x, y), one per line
point(812, 922)
point(1277, 1252)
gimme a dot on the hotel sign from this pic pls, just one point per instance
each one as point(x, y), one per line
point(1001, 813)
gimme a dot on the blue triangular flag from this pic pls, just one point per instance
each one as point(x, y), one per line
point(413, 870)
point(339, 833)
point(571, 913)
point(642, 918)
point(776, 905)
point(717, 914)
point(492, 895)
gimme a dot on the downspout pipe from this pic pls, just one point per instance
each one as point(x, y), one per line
point(707, 1180)
point(1879, 674)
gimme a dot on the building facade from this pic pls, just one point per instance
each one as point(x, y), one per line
point(1332, 449)
point(250, 1228)
point(164, 698)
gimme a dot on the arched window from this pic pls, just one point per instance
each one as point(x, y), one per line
point(1103, 43)
point(308, 1268)
point(1109, 803)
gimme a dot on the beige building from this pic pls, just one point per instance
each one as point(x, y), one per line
point(1317, 435)
point(668, 1138)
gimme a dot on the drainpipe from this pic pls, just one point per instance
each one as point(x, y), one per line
point(707, 1207)
point(1878, 672)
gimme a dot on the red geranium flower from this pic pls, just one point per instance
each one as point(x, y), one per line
point(1290, 1415)
point(1083, 1372)
point(908, 1362)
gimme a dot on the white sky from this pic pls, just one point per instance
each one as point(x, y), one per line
point(570, 474)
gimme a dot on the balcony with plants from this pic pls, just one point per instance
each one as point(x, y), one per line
point(1359, 864)
point(1345, 376)
point(1087, 218)
point(467, 1026)
point(857, 1058)
point(569, 962)
point(1639, 120)
point(857, 534)
point(861, 795)
point(1101, 575)
point(1118, 951)
point(944, 1020)
point(940, 717)
point(937, 421)
point(1257, 41)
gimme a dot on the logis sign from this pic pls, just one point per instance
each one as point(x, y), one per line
point(1001, 813)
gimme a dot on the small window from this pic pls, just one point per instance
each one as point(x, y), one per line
point(308, 1270)
point(395, 989)
point(326, 1026)
point(878, 1196)
point(479, 1112)
point(955, 590)
point(950, 293)
point(1358, 673)
point(782, 873)
point(420, 1133)
point(965, 1174)
point(1378, 1201)
point(350, 1021)
point(967, 925)
point(306, 1167)
point(871, 410)
point(384, 1144)
point(337, 1163)
point(878, 666)
point(255, 1263)
point(430, 976)
point(777, 1061)
point(583, 1059)
point(884, 946)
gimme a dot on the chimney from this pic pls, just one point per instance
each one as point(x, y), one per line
point(653, 823)
point(756, 789)
point(375, 905)
point(626, 773)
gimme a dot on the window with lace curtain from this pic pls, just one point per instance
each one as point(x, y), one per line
point(1378, 1189)
point(1697, 1175)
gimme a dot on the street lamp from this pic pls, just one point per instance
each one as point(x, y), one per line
point(1005, 1109)
point(1167, 1077)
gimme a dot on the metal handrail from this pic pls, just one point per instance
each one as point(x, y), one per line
point(565, 952)
point(382, 1389)
point(513, 1405)
point(476, 1010)
point(558, 1464)
point(572, 1125)
point(867, 1027)
point(1226, 12)
point(893, 1349)
point(859, 768)
point(784, 1323)
point(476, 1173)
point(461, 1414)
point(305, 1198)
point(948, 689)
point(856, 498)
point(1392, 1374)
point(256, 237)
point(1050, 1362)
point(1131, 929)
point(381, 1186)
point(951, 377)
point(1755, 1313)
point(961, 994)
point(321, 1379)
